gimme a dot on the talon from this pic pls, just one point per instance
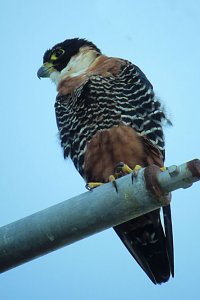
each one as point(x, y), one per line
point(113, 180)
point(91, 185)
point(132, 177)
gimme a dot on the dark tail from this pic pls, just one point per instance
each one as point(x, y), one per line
point(149, 244)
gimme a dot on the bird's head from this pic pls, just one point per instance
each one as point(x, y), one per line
point(69, 58)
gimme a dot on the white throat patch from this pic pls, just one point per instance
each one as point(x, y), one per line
point(77, 65)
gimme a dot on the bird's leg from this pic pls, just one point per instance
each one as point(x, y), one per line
point(123, 169)
point(120, 170)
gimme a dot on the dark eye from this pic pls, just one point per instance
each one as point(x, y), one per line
point(57, 53)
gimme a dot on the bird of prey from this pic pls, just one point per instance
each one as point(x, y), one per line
point(107, 113)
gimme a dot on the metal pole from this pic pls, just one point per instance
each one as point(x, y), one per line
point(91, 212)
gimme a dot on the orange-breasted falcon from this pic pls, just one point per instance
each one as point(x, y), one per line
point(107, 113)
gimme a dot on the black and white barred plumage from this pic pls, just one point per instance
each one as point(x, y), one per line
point(104, 102)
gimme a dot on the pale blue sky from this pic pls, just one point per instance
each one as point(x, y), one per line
point(162, 38)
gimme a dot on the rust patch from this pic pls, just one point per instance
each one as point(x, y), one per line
point(69, 84)
point(106, 66)
point(194, 167)
point(153, 186)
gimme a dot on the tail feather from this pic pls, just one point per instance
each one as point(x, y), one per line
point(169, 236)
point(151, 247)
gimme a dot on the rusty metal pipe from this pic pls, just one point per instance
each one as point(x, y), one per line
point(91, 212)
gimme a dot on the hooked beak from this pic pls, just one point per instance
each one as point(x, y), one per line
point(45, 70)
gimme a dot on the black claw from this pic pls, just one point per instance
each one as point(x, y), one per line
point(132, 177)
point(115, 185)
point(88, 188)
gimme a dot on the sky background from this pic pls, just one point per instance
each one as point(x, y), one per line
point(162, 38)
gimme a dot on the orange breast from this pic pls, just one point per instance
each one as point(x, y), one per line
point(118, 144)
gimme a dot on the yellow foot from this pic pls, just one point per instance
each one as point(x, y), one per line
point(91, 185)
point(111, 178)
point(122, 169)
point(163, 169)
point(136, 170)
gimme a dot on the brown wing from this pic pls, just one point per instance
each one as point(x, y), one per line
point(144, 236)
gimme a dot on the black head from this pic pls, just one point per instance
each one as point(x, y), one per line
point(61, 53)
point(57, 58)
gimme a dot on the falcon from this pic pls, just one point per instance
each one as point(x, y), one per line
point(107, 113)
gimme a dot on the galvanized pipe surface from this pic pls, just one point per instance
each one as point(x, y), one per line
point(91, 212)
